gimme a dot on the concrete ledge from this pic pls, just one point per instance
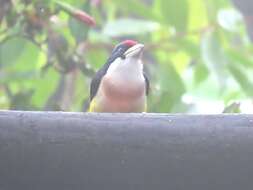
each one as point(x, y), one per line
point(55, 150)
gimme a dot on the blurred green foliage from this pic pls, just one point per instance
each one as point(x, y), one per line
point(197, 52)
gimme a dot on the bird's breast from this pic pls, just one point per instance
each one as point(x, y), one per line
point(122, 95)
point(117, 88)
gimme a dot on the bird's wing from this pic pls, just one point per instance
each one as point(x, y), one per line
point(95, 82)
point(147, 83)
point(100, 74)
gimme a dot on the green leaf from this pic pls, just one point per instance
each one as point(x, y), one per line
point(232, 108)
point(212, 8)
point(78, 30)
point(213, 55)
point(200, 73)
point(121, 27)
point(172, 87)
point(66, 7)
point(197, 15)
point(22, 100)
point(175, 13)
point(17, 76)
point(23, 65)
point(187, 45)
point(230, 19)
point(240, 58)
point(135, 7)
point(241, 78)
point(96, 58)
point(11, 50)
point(232, 96)
point(44, 86)
point(73, 2)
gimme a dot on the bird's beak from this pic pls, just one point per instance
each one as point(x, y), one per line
point(136, 50)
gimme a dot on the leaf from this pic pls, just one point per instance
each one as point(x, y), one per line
point(197, 15)
point(78, 30)
point(121, 27)
point(172, 87)
point(241, 78)
point(17, 76)
point(240, 58)
point(200, 73)
point(180, 60)
point(96, 58)
point(26, 64)
point(135, 7)
point(44, 86)
point(11, 50)
point(213, 56)
point(175, 13)
point(213, 7)
point(230, 19)
point(232, 108)
point(233, 95)
point(192, 48)
point(22, 100)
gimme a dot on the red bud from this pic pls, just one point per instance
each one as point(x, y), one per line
point(84, 17)
point(77, 13)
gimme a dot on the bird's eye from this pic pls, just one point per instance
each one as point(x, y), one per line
point(123, 56)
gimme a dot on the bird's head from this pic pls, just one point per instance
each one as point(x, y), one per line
point(128, 49)
point(126, 58)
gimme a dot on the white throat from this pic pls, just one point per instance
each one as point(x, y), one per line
point(129, 68)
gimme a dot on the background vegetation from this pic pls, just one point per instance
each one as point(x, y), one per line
point(198, 54)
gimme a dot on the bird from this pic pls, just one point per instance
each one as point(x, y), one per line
point(121, 84)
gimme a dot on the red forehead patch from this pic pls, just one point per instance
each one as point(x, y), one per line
point(129, 43)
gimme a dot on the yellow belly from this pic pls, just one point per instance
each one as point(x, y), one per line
point(106, 105)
